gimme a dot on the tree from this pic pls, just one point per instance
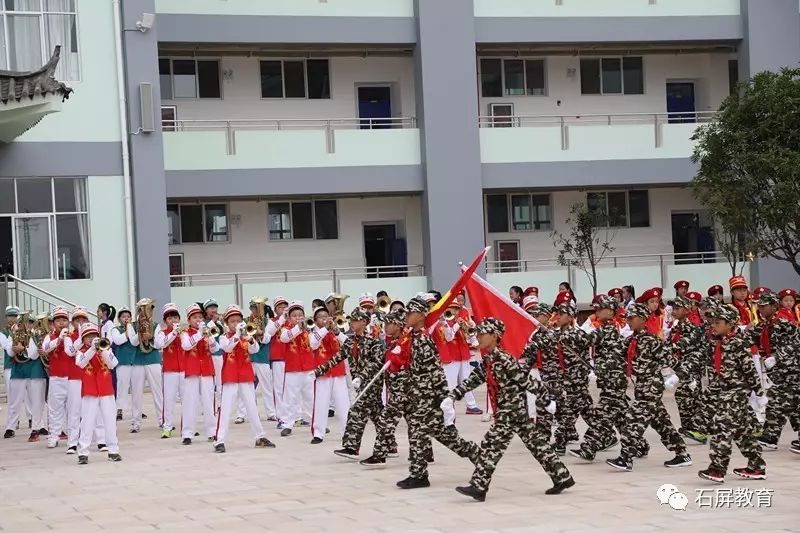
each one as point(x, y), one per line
point(749, 156)
point(733, 245)
point(588, 241)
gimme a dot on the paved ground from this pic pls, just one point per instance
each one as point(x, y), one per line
point(161, 485)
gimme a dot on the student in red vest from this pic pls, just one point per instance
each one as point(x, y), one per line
point(58, 346)
point(456, 358)
point(299, 378)
point(198, 389)
point(333, 383)
point(80, 318)
point(277, 357)
point(237, 380)
point(655, 322)
point(97, 394)
point(166, 340)
point(740, 300)
point(789, 308)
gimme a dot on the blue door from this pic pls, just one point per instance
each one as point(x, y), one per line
point(374, 103)
point(680, 102)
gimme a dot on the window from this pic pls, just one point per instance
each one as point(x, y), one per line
point(31, 29)
point(528, 212)
point(502, 115)
point(620, 208)
point(508, 255)
point(303, 220)
point(612, 75)
point(197, 223)
point(733, 75)
point(169, 114)
point(176, 270)
point(189, 78)
point(295, 79)
point(512, 77)
point(50, 224)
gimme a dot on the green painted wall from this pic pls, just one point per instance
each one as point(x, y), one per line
point(309, 8)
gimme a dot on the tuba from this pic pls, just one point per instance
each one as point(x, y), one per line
point(144, 324)
point(383, 304)
point(39, 335)
point(257, 317)
point(21, 334)
point(338, 316)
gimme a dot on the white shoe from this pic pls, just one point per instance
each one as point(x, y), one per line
point(52, 443)
point(72, 450)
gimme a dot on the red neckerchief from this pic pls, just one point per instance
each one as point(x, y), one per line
point(718, 351)
point(766, 346)
point(655, 324)
point(539, 359)
point(354, 351)
point(744, 312)
point(491, 384)
point(561, 357)
point(676, 336)
point(694, 318)
point(632, 347)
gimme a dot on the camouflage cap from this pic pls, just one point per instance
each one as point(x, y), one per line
point(542, 309)
point(396, 317)
point(359, 315)
point(709, 303)
point(725, 312)
point(491, 325)
point(417, 305)
point(682, 301)
point(606, 302)
point(640, 310)
point(567, 308)
point(768, 298)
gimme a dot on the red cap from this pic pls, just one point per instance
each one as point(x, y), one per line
point(737, 282)
point(615, 292)
point(531, 290)
point(655, 292)
point(596, 299)
point(787, 292)
point(681, 284)
point(562, 297)
point(715, 289)
point(695, 296)
point(758, 291)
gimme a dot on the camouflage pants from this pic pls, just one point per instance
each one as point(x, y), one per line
point(544, 420)
point(389, 419)
point(734, 421)
point(688, 401)
point(577, 403)
point(366, 409)
point(496, 441)
point(701, 420)
point(783, 403)
point(607, 415)
point(426, 422)
point(649, 412)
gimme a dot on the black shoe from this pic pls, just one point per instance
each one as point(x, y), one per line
point(609, 445)
point(114, 457)
point(211, 439)
point(620, 464)
point(43, 432)
point(316, 440)
point(347, 453)
point(560, 449)
point(429, 457)
point(83, 460)
point(641, 454)
point(561, 486)
point(219, 448)
point(712, 475)
point(187, 441)
point(264, 442)
point(8, 434)
point(679, 461)
point(102, 448)
point(30, 423)
point(373, 462)
point(72, 450)
point(144, 416)
point(196, 433)
point(767, 444)
point(414, 483)
point(581, 454)
point(472, 492)
point(331, 414)
point(795, 446)
point(285, 432)
point(119, 414)
point(393, 452)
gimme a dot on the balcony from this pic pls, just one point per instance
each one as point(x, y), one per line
point(295, 8)
point(606, 8)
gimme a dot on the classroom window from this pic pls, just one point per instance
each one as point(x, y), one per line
point(496, 213)
point(197, 223)
point(527, 212)
point(295, 78)
point(612, 75)
point(303, 220)
point(189, 78)
point(512, 77)
point(620, 208)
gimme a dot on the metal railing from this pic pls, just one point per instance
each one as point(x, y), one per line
point(29, 297)
point(564, 122)
point(328, 125)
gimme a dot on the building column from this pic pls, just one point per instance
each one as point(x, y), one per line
point(771, 41)
point(140, 54)
point(447, 109)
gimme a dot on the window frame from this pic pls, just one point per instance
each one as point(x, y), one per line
point(510, 212)
point(621, 59)
point(517, 263)
point(203, 207)
point(303, 60)
point(174, 126)
point(503, 87)
point(313, 203)
point(197, 96)
point(627, 213)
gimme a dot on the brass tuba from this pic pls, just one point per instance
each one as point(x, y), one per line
point(258, 315)
point(338, 316)
point(21, 334)
point(144, 324)
point(383, 304)
point(39, 334)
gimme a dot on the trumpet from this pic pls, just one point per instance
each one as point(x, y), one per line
point(250, 330)
point(383, 304)
point(211, 331)
point(103, 344)
point(310, 324)
point(449, 315)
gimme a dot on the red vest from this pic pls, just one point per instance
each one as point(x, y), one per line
point(442, 345)
point(327, 349)
point(277, 350)
point(197, 361)
point(75, 372)
point(458, 347)
point(299, 355)
point(236, 365)
point(97, 378)
point(173, 354)
point(60, 362)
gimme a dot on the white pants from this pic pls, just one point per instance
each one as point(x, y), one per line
point(95, 409)
point(456, 373)
point(217, 360)
point(198, 393)
point(264, 375)
point(26, 403)
point(298, 390)
point(278, 388)
point(57, 406)
point(124, 375)
point(18, 391)
point(152, 374)
point(327, 390)
point(230, 391)
point(73, 412)
point(173, 387)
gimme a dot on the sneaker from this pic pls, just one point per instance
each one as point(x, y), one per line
point(581, 454)
point(196, 433)
point(327, 430)
point(316, 440)
point(285, 432)
point(609, 445)
point(62, 436)
point(560, 449)
point(272, 418)
point(561, 486)
point(83, 460)
point(167, 433)
point(219, 448)
point(393, 453)
point(264, 442)
point(474, 411)
point(43, 432)
point(30, 423)
point(795, 446)
point(114, 457)
point(414, 483)
point(135, 429)
point(696, 436)
point(331, 413)
point(8, 434)
point(144, 416)
point(679, 461)
point(302, 424)
point(747, 473)
point(620, 464)
point(472, 492)
point(102, 448)
point(429, 457)
point(119, 414)
point(767, 444)
point(641, 454)
point(186, 442)
point(347, 453)
point(238, 420)
point(711, 475)
point(52, 443)
point(34, 436)
point(72, 450)
point(373, 462)
point(211, 439)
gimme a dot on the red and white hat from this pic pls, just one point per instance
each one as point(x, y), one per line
point(169, 308)
point(737, 282)
point(295, 304)
point(280, 300)
point(88, 329)
point(529, 302)
point(787, 292)
point(429, 297)
point(192, 309)
point(596, 300)
point(366, 299)
point(231, 311)
point(59, 312)
point(681, 284)
point(694, 296)
point(655, 292)
point(80, 312)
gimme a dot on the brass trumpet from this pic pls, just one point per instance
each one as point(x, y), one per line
point(383, 304)
point(103, 344)
point(250, 330)
point(211, 331)
point(310, 324)
point(449, 315)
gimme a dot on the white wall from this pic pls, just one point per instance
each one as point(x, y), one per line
point(241, 95)
point(708, 71)
point(250, 250)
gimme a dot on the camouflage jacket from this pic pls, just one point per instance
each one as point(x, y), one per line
point(650, 356)
point(511, 380)
point(573, 343)
point(737, 372)
point(609, 357)
point(364, 363)
point(687, 344)
point(542, 341)
point(428, 381)
point(779, 338)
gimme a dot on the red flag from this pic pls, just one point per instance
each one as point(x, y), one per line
point(486, 301)
point(441, 306)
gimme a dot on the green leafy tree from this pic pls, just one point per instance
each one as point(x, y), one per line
point(749, 174)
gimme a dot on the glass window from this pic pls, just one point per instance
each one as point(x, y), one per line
point(174, 224)
point(208, 79)
point(302, 221)
point(72, 254)
point(280, 225)
point(24, 42)
point(319, 84)
point(541, 211)
point(7, 196)
point(23, 5)
point(514, 77)
point(3, 63)
point(521, 211)
point(70, 194)
point(491, 78)
point(326, 220)
point(59, 5)
point(534, 77)
point(165, 78)
point(176, 266)
point(184, 78)
point(596, 204)
point(34, 195)
point(733, 74)
point(612, 76)
point(216, 223)
point(617, 209)
point(496, 213)
point(639, 209)
point(294, 79)
point(590, 76)
point(633, 75)
point(271, 79)
point(33, 254)
point(169, 114)
point(508, 253)
point(61, 30)
point(191, 223)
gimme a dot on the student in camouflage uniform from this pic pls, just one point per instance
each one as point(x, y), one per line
point(646, 357)
point(731, 376)
point(702, 352)
point(428, 389)
point(609, 365)
point(365, 358)
point(779, 343)
point(507, 383)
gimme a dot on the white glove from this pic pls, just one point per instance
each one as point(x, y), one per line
point(63, 334)
point(551, 407)
point(693, 385)
point(356, 383)
point(769, 362)
point(129, 329)
point(762, 401)
point(282, 319)
point(592, 376)
point(447, 404)
point(95, 341)
point(671, 381)
point(449, 411)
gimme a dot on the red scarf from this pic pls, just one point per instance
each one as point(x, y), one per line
point(632, 347)
point(766, 346)
point(491, 385)
point(718, 351)
point(539, 359)
point(561, 357)
point(694, 317)
point(676, 336)
point(655, 324)
point(354, 351)
point(744, 312)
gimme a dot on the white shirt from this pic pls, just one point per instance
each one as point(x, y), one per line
point(107, 355)
point(188, 342)
point(129, 335)
point(162, 340)
point(48, 345)
point(229, 343)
